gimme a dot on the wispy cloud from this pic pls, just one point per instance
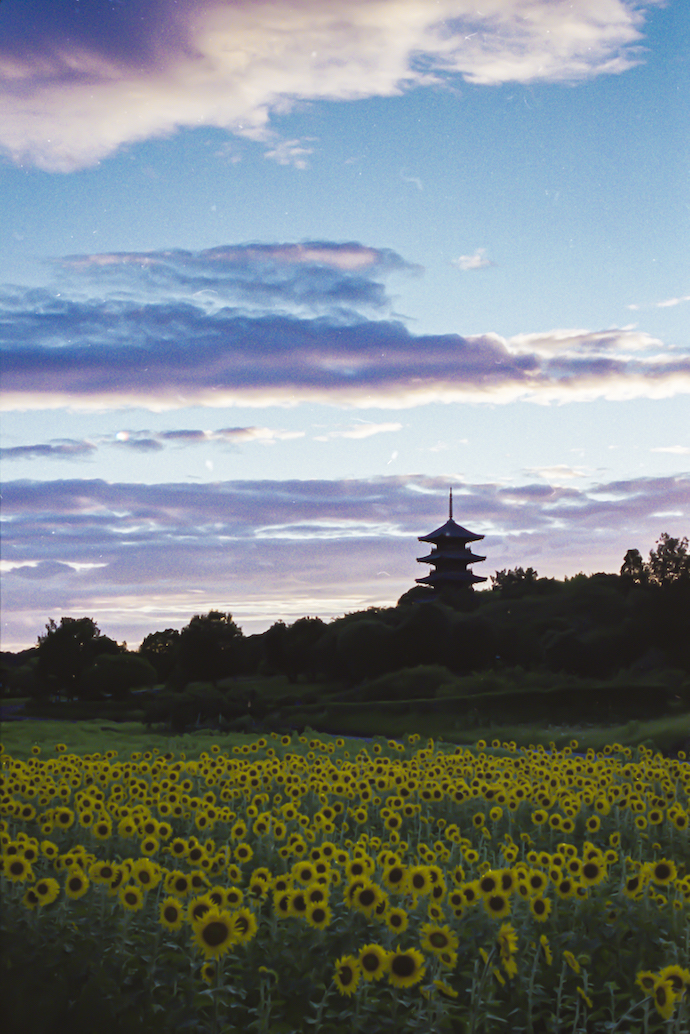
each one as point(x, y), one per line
point(291, 152)
point(556, 472)
point(677, 450)
point(63, 449)
point(667, 303)
point(154, 441)
point(314, 277)
point(139, 557)
point(476, 261)
point(362, 430)
point(80, 81)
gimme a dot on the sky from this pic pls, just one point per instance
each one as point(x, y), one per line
point(275, 276)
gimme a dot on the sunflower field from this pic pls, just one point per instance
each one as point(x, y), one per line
point(286, 886)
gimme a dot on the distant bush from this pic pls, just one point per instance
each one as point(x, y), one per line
point(114, 675)
point(419, 683)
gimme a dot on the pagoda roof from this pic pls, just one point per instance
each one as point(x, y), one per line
point(450, 530)
point(450, 554)
point(436, 578)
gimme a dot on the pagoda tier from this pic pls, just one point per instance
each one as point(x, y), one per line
point(451, 557)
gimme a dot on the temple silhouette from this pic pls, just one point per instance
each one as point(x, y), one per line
point(451, 557)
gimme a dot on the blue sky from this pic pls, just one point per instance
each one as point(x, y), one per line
point(329, 258)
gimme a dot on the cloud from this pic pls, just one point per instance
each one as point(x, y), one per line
point(677, 450)
point(290, 152)
point(476, 261)
point(668, 303)
point(80, 81)
point(138, 557)
point(363, 430)
point(161, 346)
point(62, 449)
point(314, 277)
point(155, 441)
point(556, 472)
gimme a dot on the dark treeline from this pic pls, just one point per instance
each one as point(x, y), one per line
point(588, 626)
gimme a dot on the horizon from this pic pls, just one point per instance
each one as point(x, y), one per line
point(272, 285)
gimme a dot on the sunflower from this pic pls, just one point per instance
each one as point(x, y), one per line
point(245, 925)
point(118, 878)
point(394, 877)
point(662, 872)
point(198, 907)
point(102, 828)
point(49, 849)
point(405, 968)
point(179, 848)
point(489, 883)
point(572, 961)
point(318, 916)
point(497, 905)
point(146, 873)
point(150, 845)
point(76, 884)
point(243, 853)
point(373, 961)
point(64, 818)
point(179, 883)
point(438, 939)
point(507, 941)
point(540, 908)
point(664, 998)
point(171, 914)
point(17, 869)
point(546, 947)
point(214, 934)
point(367, 898)
point(634, 886)
point(536, 881)
point(470, 892)
point(396, 919)
point(234, 896)
point(567, 888)
point(46, 890)
point(593, 873)
point(131, 897)
point(679, 977)
point(347, 974)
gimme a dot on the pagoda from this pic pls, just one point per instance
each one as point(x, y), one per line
point(451, 556)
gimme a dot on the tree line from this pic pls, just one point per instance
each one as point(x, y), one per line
point(587, 625)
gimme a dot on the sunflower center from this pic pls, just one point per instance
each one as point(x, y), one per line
point(216, 933)
point(403, 966)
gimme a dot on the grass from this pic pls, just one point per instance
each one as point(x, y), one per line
point(662, 734)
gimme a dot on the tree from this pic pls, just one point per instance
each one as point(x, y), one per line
point(208, 647)
point(634, 569)
point(514, 583)
point(115, 675)
point(67, 650)
point(161, 649)
point(289, 648)
point(669, 562)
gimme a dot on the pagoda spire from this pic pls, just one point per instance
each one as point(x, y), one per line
point(450, 504)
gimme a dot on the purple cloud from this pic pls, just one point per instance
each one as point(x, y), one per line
point(164, 346)
point(80, 80)
point(147, 556)
point(62, 449)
